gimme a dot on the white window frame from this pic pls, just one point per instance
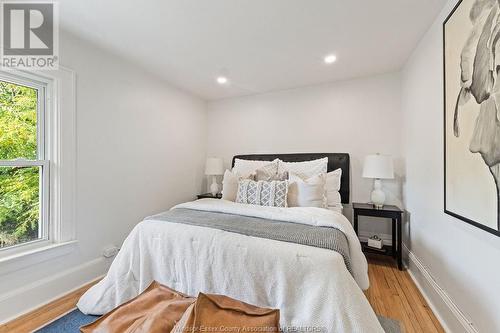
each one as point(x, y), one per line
point(57, 147)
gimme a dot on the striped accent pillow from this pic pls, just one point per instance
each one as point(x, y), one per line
point(263, 193)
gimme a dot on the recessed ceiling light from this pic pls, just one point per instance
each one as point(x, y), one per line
point(222, 80)
point(330, 59)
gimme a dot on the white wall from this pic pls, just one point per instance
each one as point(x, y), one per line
point(456, 263)
point(359, 117)
point(135, 131)
point(140, 150)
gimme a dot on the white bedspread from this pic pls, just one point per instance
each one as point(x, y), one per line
point(311, 286)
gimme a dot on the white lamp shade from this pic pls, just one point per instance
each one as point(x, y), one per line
point(214, 166)
point(378, 166)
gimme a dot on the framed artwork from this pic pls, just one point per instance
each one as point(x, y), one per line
point(472, 113)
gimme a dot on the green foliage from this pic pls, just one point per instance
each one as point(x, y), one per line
point(19, 187)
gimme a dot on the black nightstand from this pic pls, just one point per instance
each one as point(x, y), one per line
point(209, 196)
point(390, 212)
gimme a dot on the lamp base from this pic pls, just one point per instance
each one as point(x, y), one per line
point(214, 188)
point(378, 196)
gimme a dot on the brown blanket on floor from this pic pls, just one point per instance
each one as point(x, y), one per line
point(156, 310)
point(217, 313)
point(161, 309)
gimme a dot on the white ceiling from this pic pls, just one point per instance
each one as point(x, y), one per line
point(260, 45)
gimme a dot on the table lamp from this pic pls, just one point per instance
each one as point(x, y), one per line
point(214, 167)
point(378, 167)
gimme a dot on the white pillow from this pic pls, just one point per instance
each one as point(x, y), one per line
point(305, 169)
point(248, 167)
point(230, 185)
point(332, 188)
point(338, 209)
point(307, 192)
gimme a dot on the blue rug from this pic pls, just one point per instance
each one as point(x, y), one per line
point(71, 322)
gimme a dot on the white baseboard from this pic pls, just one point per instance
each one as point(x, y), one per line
point(34, 295)
point(445, 309)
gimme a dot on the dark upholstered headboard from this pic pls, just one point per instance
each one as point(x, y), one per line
point(335, 161)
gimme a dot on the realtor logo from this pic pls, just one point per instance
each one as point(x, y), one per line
point(29, 36)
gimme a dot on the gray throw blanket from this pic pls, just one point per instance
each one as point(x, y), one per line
point(322, 237)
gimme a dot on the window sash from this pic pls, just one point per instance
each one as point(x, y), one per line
point(21, 162)
point(43, 220)
point(41, 88)
point(25, 79)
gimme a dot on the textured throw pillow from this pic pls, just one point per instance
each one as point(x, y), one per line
point(267, 171)
point(308, 192)
point(268, 175)
point(305, 169)
point(248, 167)
point(230, 185)
point(333, 188)
point(262, 193)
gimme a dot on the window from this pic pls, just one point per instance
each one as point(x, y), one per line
point(24, 162)
point(37, 166)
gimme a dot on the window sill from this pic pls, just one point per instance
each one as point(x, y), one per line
point(35, 256)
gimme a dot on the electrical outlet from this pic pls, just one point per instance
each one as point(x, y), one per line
point(110, 251)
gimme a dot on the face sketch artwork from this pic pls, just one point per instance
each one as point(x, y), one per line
point(480, 66)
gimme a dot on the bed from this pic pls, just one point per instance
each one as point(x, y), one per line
point(249, 253)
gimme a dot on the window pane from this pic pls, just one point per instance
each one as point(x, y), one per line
point(18, 122)
point(19, 205)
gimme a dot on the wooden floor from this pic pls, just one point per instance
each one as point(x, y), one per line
point(45, 314)
point(392, 294)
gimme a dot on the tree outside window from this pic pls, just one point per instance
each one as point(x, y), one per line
point(21, 164)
